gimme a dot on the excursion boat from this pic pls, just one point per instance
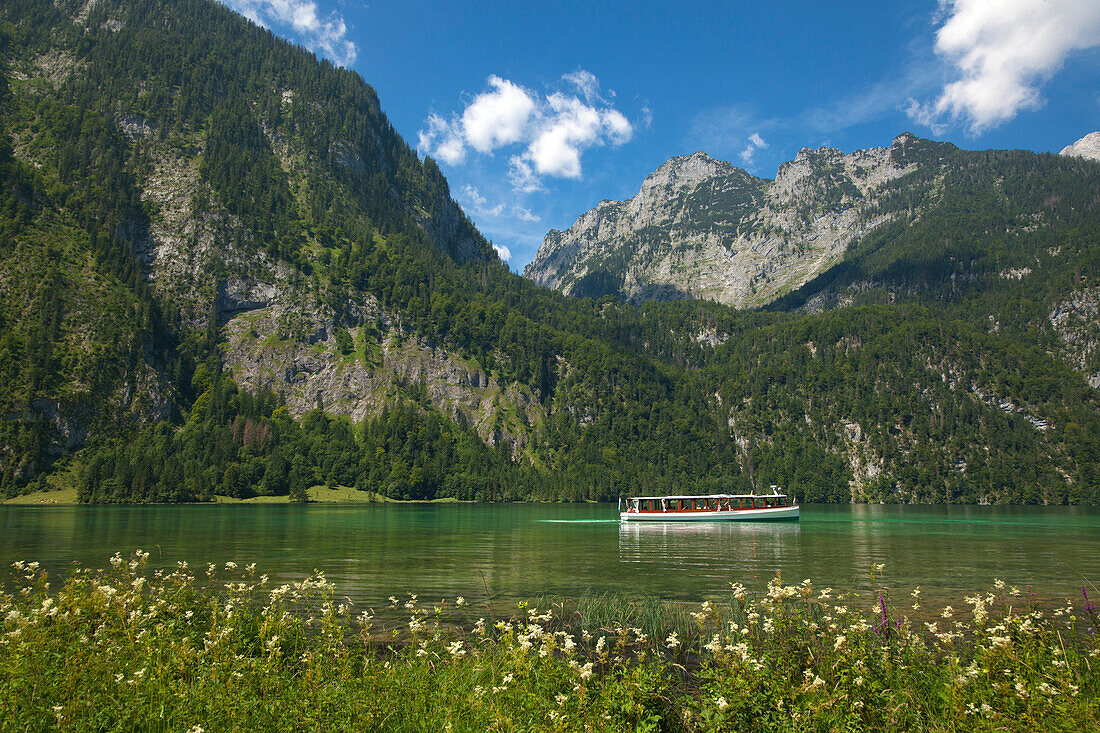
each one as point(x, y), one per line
point(709, 508)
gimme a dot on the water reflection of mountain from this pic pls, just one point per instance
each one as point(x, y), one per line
point(744, 551)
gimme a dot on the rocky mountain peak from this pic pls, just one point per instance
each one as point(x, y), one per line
point(703, 228)
point(685, 171)
point(905, 138)
point(1086, 147)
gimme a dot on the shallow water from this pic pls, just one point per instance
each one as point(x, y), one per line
point(514, 551)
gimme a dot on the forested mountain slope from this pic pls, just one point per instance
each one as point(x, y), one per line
point(222, 272)
point(1006, 240)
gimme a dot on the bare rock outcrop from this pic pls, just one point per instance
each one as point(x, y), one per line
point(702, 228)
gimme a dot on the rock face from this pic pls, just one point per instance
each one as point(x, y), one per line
point(1086, 147)
point(291, 347)
point(702, 228)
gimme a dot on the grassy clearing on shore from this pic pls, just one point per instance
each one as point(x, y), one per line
point(57, 496)
point(217, 648)
point(317, 494)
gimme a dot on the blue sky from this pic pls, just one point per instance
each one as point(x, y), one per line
point(537, 111)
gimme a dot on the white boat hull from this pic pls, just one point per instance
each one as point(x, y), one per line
point(763, 514)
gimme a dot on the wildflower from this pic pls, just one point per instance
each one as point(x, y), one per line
point(715, 645)
point(840, 639)
point(479, 627)
point(880, 567)
point(195, 729)
point(948, 612)
point(460, 602)
point(998, 584)
point(601, 643)
point(231, 566)
point(586, 671)
point(672, 642)
point(722, 704)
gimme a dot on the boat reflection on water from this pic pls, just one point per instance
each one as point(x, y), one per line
point(739, 551)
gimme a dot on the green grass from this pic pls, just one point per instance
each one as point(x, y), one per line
point(219, 648)
point(335, 495)
point(65, 495)
point(317, 494)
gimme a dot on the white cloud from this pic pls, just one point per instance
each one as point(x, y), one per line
point(586, 83)
point(478, 204)
point(502, 252)
point(754, 143)
point(525, 214)
point(1001, 53)
point(554, 129)
point(450, 147)
point(326, 36)
point(499, 117)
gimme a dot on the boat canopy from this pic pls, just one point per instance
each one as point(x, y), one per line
point(687, 497)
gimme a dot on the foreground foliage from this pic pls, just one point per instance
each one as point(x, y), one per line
point(133, 648)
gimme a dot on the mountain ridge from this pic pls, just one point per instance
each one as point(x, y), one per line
point(769, 237)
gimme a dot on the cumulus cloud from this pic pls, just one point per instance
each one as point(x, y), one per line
point(553, 129)
point(1000, 54)
point(499, 117)
point(326, 36)
point(755, 142)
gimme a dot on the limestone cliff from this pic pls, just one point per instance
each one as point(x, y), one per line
point(1087, 147)
point(701, 228)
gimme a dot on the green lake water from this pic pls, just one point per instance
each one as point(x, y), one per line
point(519, 551)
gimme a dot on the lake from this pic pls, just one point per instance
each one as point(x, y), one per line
point(517, 551)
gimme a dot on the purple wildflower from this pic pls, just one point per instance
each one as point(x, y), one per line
point(883, 628)
point(1090, 610)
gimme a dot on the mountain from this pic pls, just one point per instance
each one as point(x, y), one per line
point(701, 228)
point(1086, 147)
point(222, 272)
